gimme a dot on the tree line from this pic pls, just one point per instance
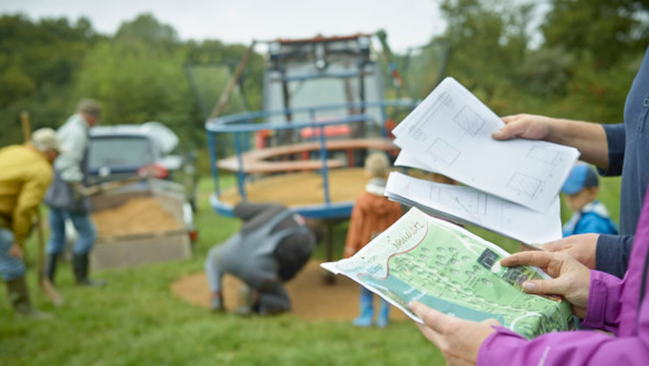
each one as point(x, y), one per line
point(47, 66)
point(582, 68)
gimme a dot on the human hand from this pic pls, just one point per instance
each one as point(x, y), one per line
point(526, 126)
point(80, 191)
point(570, 278)
point(16, 251)
point(458, 339)
point(582, 247)
point(348, 252)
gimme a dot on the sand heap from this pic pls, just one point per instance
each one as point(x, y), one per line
point(136, 216)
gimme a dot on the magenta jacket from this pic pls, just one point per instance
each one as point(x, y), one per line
point(612, 306)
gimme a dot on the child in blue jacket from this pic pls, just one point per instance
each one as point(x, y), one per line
point(590, 215)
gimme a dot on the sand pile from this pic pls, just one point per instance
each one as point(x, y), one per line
point(136, 216)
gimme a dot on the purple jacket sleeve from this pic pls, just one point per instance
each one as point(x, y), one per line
point(603, 302)
point(505, 347)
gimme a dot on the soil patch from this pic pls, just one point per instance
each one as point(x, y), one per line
point(311, 298)
point(138, 215)
point(301, 189)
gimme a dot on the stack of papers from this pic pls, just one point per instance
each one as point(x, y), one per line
point(512, 187)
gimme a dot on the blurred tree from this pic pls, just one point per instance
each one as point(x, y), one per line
point(38, 61)
point(146, 28)
point(548, 71)
point(609, 30)
point(488, 45)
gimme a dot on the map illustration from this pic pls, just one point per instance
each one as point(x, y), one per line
point(452, 270)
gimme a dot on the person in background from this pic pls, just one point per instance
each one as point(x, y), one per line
point(590, 215)
point(371, 215)
point(272, 246)
point(616, 149)
point(67, 198)
point(25, 174)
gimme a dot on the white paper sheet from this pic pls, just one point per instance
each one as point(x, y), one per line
point(450, 132)
point(469, 206)
point(408, 159)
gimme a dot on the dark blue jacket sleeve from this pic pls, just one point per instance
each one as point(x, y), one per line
point(616, 140)
point(612, 254)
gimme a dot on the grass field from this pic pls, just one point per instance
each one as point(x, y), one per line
point(136, 320)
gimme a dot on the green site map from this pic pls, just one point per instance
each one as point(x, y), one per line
point(446, 267)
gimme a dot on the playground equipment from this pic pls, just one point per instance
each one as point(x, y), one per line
point(324, 109)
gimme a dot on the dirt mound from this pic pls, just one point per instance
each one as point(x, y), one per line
point(139, 215)
point(311, 298)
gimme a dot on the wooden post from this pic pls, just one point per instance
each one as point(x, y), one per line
point(225, 95)
point(329, 278)
point(45, 284)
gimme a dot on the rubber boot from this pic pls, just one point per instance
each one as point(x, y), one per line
point(19, 297)
point(80, 266)
point(50, 266)
point(217, 303)
point(384, 314)
point(367, 309)
point(245, 303)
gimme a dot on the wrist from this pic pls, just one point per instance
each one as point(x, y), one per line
point(558, 130)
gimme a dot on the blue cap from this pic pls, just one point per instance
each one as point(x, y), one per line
point(581, 176)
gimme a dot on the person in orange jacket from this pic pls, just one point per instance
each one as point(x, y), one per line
point(371, 215)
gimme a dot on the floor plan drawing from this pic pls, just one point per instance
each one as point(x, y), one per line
point(545, 154)
point(473, 202)
point(419, 127)
point(524, 184)
point(470, 121)
point(467, 205)
point(443, 151)
point(451, 132)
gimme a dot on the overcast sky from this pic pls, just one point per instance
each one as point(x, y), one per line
point(408, 23)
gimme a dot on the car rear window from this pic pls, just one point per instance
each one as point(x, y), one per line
point(119, 151)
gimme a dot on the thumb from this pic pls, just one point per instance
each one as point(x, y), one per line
point(544, 287)
point(508, 131)
point(554, 246)
point(492, 322)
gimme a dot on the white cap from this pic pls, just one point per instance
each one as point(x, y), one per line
point(45, 138)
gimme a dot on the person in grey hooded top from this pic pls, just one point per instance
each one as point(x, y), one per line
point(273, 244)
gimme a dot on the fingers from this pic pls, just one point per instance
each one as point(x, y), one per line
point(555, 246)
point(510, 119)
point(16, 251)
point(491, 322)
point(431, 317)
point(545, 287)
point(529, 258)
point(512, 128)
point(431, 335)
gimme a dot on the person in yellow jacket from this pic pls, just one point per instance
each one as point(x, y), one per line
point(25, 174)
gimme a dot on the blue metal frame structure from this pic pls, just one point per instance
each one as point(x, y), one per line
point(242, 125)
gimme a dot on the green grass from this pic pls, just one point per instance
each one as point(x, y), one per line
point(136, 320)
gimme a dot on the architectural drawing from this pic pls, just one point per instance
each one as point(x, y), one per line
point(443, 151)
point(469, 120)
point(524, 184)
point(418, 128)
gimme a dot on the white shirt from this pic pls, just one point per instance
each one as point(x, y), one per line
point(73, 136)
